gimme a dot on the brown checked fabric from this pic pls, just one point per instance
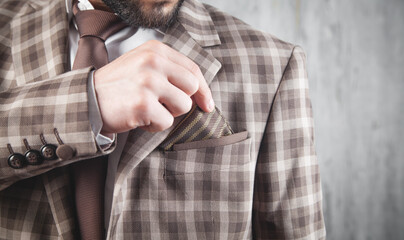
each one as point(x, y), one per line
point(94, 27)
point(197, 125)
point(260, 182)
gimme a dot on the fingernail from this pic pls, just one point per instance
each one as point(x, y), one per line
point(211, 105)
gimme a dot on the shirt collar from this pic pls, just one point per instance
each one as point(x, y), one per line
point(83, 5)
point(69, 9)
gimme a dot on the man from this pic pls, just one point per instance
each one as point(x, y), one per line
point(240, 165)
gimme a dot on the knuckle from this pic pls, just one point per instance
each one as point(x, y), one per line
point(140, 115)
point(141, 84)
point(143, 108)
point(154, 45)
point(152, 42)
point(151, 60)
point(194, 86)
point(161, 125)
point(194, 68)
point(167, 123)
point(188, 105)
point(132, 123)
point(140, 105)
point(136, 114)
point(204, 90)
point(183, 108)
point(146, 81)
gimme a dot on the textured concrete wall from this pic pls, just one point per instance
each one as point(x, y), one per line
point(355, 52)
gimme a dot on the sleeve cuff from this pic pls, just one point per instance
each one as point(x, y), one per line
point(104, 142)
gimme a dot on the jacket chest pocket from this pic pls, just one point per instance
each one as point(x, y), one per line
point(212, 187)
point(208, 155)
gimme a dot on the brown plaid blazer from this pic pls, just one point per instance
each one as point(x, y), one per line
point(266, 186)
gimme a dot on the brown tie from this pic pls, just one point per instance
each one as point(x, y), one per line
point(94, 27)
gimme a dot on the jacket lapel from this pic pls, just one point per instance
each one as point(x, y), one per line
point(193, 32)
point(192, 35)
point(39, 45)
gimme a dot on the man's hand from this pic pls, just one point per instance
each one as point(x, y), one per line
point(147, 87)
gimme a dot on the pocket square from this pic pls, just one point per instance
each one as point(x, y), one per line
point(197, 125)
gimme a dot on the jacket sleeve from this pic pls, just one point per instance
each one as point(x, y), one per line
point(287, 191)
point(35, 109)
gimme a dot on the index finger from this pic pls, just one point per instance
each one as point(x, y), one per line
point(203, 96)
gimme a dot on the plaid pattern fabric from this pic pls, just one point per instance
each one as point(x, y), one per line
point(38, 208)
point(25, 204)
point(265, 186)
point(36, 96)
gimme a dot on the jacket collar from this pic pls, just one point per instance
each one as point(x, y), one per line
point(197, 21)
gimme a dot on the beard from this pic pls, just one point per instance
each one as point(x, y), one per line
point(137, 13)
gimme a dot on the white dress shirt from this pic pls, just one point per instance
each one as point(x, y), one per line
point(117, 44)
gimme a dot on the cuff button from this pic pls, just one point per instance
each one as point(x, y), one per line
point(65, 152)
point(33, 157)
point(16, 161)
point(48, 152)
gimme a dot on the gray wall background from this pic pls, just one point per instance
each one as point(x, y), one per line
point(355, 53)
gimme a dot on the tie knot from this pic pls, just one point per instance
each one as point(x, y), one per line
point(96, 23)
